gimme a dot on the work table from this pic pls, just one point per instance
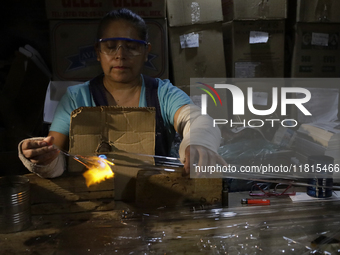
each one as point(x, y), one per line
point(281, 227)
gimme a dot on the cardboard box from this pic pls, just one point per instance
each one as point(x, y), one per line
point(158, 63)
point(96, 9)
point(316, 50)
point(318, 11)
point(184, 12)
point(124, 129)
point(73, 52)
point(253, 10)
point(74, 56)
point(254, 48)
point(196, 51)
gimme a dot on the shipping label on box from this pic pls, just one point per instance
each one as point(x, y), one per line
point(96, 9)
point(316, 50)
point(197, 49)
point(255, 48)
point(253, 10)
point(184, 12)
point(318, 11)
point(74, 56)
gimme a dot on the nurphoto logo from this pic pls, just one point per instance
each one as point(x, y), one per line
point(240, 101)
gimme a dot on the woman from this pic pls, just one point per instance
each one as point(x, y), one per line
point(122, 49)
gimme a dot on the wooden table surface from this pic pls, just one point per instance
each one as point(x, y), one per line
point(281, 227)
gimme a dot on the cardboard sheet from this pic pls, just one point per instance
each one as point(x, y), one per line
point(126, 129)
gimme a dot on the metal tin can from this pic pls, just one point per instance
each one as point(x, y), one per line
point(15, 214)
point(321, 187)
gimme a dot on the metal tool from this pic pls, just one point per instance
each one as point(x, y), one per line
point(171, 164)
point(151, 162)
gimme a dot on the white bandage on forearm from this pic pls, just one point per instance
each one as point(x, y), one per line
point(197, 129)
point(52, 170)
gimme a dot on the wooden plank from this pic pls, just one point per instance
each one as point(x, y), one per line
point(72, 207)
point(69, 193)
point(40, 195)
point(67, 188)
point(74, 182)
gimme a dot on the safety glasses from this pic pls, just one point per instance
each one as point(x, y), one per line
point(131, 47)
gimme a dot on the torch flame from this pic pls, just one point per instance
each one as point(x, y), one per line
point(98, 169)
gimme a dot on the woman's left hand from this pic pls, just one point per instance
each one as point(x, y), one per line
point(201, 156)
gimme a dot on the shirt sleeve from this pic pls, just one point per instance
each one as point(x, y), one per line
point(171, 99)
point(61, 120)
point(75, 97)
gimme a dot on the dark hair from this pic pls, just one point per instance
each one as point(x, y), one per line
point(127, 15)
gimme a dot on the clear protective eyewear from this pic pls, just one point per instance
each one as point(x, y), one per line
point(132, 47)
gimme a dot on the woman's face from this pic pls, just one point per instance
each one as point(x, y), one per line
point(122, 67)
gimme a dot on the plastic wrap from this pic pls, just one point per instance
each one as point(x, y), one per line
point(248, 151)
point(281, 228)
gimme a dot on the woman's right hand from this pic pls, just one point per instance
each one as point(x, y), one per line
point(41, 152)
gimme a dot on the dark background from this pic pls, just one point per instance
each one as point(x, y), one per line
point(22, 22)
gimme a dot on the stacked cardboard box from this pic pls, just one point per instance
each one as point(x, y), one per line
point(196, 41)
point(73, 27)
point(316, 47)
point(254, 38)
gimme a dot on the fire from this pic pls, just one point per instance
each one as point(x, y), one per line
point(98, 169)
